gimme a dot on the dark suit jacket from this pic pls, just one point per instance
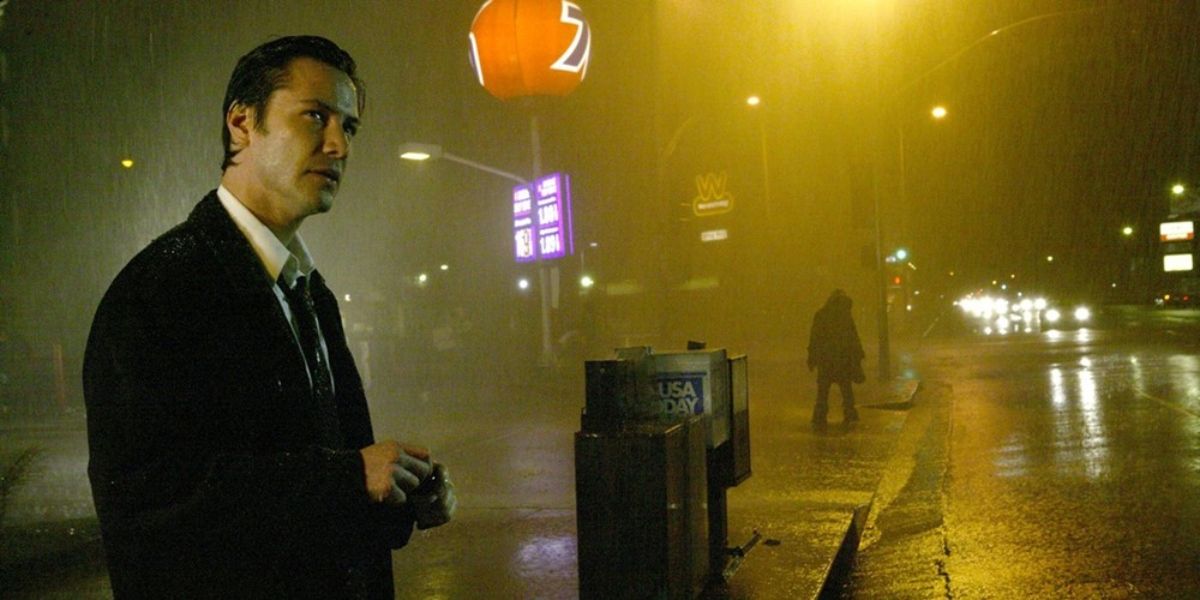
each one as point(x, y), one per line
point(214, 471)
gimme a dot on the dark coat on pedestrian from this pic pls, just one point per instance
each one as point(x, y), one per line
point(214, 471)
point(833, 345)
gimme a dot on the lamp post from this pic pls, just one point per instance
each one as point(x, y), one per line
point(705, 118)
point(419, 152)
point(937, 113)
point(885, 356)
point(755, 102)
point(1183, 200)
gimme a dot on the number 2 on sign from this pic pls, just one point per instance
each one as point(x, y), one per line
point(575, 59)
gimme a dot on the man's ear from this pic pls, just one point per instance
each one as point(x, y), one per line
point(239, 120)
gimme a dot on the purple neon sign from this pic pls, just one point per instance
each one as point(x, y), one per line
point(524, 228)
point(542, 219)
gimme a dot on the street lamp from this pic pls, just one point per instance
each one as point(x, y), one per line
point(419, 152)
point(755, 102)
point(938, 113)
point(663, 158)
point(1183, 200)
point(885, 353)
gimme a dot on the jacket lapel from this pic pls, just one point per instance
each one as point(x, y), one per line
point(245, 278)
point(247, 285)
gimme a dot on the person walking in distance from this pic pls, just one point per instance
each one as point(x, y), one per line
point(835, 351)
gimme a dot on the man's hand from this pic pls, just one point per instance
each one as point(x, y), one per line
point(435, 502)
point(393, 470)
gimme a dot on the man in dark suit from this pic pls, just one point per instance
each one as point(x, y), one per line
point(231, 450)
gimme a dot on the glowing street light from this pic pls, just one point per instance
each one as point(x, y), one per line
point(754, 102)
point(419, 152)
point(1127, 231)
point(1183, 199)
point(937, 113)
point(415, 154)
point(885, 360)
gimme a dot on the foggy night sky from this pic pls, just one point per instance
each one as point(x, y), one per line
point(1059, 132)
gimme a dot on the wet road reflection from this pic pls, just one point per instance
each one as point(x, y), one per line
point(1075, 461)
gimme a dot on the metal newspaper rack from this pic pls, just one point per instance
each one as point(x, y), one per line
point(663, 437)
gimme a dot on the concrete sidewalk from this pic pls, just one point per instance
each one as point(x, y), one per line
point(510, 449)
point(808, 497)
point(811, 491)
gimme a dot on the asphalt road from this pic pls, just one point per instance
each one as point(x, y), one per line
point(1056, 464)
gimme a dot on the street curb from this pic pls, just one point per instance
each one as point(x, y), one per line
point(837, 573)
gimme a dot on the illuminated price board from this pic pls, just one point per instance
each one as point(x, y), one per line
point(1177, 262)
point(1176, 230)
point(542, 227)
point(524, 227)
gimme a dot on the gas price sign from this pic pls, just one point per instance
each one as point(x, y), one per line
point(524, 229)
point(542, 219)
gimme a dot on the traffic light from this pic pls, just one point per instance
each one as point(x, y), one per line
point(898, 256)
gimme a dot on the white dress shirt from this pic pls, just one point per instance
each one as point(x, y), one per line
point(280, 262)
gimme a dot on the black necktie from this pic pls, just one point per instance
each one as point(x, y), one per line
point(301, 301)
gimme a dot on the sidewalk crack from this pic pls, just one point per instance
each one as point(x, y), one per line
point(943, 570)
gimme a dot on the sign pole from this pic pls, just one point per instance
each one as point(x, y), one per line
point(547, 359)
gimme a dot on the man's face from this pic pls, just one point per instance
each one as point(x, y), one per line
point(297, 156)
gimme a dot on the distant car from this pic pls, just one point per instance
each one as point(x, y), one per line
point(993, 315)
point(1077, 316)
point(1177, 299)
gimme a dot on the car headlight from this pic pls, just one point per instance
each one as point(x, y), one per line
point(1082, 314)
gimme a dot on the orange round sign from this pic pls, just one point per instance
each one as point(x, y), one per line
point(530, 47)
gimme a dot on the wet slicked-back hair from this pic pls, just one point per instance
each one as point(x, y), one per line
point(265, 69)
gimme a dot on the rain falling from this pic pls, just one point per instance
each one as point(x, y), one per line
point(971, 174)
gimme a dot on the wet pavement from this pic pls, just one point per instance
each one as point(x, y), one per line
point(902, 553)
point(808, 483)
point(1054, 465)
point(1079, 458)
point(509, 446)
